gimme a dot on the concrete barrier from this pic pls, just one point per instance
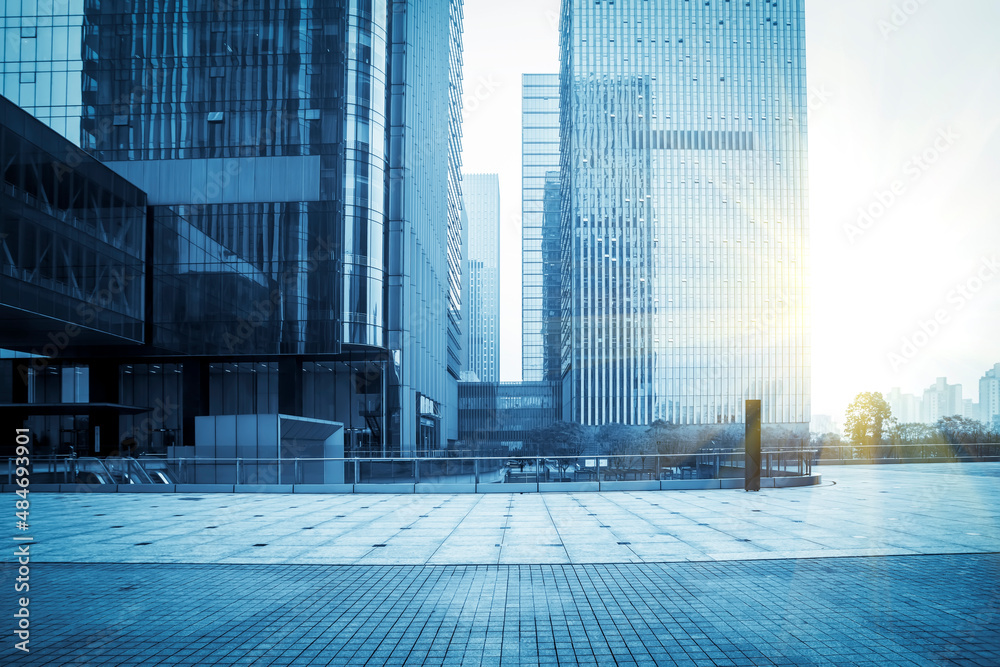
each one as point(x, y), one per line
point(632, 485)
point(690, 484)
point(323, 488)
point(263, 488)
point(791, 482)
point(204, 488)
point(383, 488)
point(90, 488)
point(41, 488)
point(145, 488)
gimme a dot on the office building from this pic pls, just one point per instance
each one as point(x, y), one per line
point(906, 408)
point(301, 244)
point(540, 220)
point(499, 417)
point(481, 193)
point(684, 212)
point(989, 397)
point(942, 400)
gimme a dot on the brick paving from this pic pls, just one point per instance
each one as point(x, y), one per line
point(897, 610)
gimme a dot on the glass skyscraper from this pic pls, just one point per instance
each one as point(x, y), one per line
point(300, 160)
point(481, 193)
point(684, 211)
point(540, 272)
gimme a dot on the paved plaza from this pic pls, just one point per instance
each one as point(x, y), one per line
point(878, 565)
point(856, 511)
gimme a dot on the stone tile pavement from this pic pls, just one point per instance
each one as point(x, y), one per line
point(858, 511)
point(886, 565)
point(897, 610)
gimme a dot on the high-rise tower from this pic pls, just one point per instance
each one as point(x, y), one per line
point(540, 293)
point(481, 193)
point(684, 211)
point(301, 164)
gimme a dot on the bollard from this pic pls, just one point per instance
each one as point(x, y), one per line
point(752, 447)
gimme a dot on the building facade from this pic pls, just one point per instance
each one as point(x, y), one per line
point(942, 400)
point(481, 193)
point(499, 417)
point(906, 408)
point(73, 273)
point(685, 237)
point(989, 397)
point(540, 219)
point(303, 230)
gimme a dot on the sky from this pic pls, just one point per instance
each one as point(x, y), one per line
point(904, 160)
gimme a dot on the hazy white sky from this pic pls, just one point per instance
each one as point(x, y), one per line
point(911, 100)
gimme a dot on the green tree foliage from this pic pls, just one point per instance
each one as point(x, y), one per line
point(868, 418)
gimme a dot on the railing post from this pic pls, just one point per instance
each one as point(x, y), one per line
point(237, 471)
point(295, 471)
point(357, 471)
point(475, 467)
point(416, 471)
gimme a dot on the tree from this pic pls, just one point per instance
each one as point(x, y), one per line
point(664, 436)
point(868, 418)
point(621, 439)
point(958, 430)
point(829, 445)
point(558, 439)
point(912, 434)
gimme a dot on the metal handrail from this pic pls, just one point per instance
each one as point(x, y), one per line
point(901, 453)
point(714, 464)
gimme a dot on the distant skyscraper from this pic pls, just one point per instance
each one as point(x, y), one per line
point(906, 408)
point(540, 292)
point(989, 397)
point(942, 400)
point(482, 302)
point(292, 151)
point(684, 195)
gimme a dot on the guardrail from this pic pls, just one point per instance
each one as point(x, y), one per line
point(910, 453)
point(712, 464)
